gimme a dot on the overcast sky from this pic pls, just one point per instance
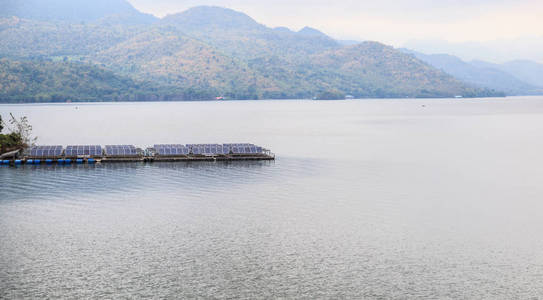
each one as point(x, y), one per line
point(390, 21)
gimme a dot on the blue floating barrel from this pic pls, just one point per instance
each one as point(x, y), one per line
point(6, 162)
point(29, 161)
point(61, 161)
point(68, 161)
point(18, 161)
point(91, 161)
point(37, 161)
point(79, 161)
point(48, 161)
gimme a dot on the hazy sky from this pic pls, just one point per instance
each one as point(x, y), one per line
point(390, 21)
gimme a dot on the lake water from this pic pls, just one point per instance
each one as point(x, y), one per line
point(366, 199)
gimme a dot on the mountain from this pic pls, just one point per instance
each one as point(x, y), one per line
point(497, 51)
point(239, 35)
point(72, 10)
point(32, 81)
point(348, 42)
point(25, 38)
point(174, 59)
point(528, 71)
point(312, 32)
point(478, 74)
point(387, 72)
point(202, 53)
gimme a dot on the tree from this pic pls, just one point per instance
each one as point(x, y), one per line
point(23, 129)
point(1, 125)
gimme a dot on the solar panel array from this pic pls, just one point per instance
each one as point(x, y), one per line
point(245, 149)
point(172, 150)
point(121, 150)
point(161, 150)
point(207, 149)
point(83, 150)
point(46, 151)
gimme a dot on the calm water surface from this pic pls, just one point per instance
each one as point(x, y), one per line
point(367, 199)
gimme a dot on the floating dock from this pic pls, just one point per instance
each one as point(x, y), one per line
point(91, 154)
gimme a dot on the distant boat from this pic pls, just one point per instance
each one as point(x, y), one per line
point(458, 97)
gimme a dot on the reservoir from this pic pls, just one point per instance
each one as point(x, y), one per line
point(427, 198)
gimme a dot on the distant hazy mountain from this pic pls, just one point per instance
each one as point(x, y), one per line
point(479, 73)
point(202, 53)
point(498, 51)
point(72, 10)
point(528, 71)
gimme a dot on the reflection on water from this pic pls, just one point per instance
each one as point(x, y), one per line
point(28, 182)
point(367, 199)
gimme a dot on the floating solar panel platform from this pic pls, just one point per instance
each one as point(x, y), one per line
point(192, 152)
point(129, 153)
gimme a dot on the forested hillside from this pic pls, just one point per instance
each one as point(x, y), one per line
point(45, 81)
point(202, 53)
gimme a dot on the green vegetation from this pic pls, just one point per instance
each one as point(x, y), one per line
point(330, 95)
point(45, 81)
point(200, 54)
point(20, 136)
point(10, 142)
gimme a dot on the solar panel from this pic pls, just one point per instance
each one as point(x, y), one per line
point(171, 149)
point(45, 151)
point(121, 150)
point(87, 150)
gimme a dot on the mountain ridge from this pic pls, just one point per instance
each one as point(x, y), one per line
point(210, 51)
point(72, 10)
point(483, 74)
